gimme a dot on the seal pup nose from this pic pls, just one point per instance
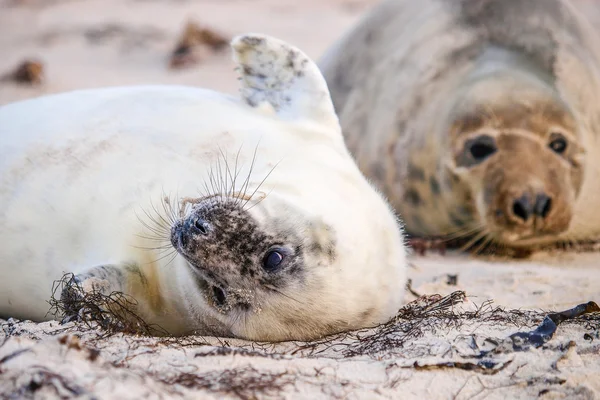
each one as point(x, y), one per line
point(197, 226)
point(192, 228)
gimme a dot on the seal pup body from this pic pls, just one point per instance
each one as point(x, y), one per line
point(477, 118)
point(223, 216)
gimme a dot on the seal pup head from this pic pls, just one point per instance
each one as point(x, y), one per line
point(515, 147)
point(309, 250)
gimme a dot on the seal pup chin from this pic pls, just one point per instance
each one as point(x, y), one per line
point(478, 119)
point(243, 217)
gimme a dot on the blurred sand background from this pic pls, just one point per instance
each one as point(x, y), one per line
point(92, 43)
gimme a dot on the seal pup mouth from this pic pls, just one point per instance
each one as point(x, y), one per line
point(215, 294)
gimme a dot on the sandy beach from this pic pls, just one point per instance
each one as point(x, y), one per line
point(96, 43)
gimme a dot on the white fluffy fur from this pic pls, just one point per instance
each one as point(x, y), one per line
point(78, 169)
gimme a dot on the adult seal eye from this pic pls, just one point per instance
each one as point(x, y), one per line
point(272, 260)
point(558, 143)
point(482, 147)
point(478, 149)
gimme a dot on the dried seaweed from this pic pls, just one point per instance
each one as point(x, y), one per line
point(114, 312)
point(409, 323)
point(244, 383)
point(192, 37)
point(486, 367)
point(12, 355)
point(398, 339)
point(29, 72)
point(42, 377)
point(427, 314)
point(228, 351)
point(522, 341)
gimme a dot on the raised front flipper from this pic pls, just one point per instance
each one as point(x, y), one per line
point(280, 77)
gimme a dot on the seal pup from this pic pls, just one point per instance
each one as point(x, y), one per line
point(270, 232)
point(476, 118)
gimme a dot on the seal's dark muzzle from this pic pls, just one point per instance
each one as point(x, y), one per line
point(190, 230)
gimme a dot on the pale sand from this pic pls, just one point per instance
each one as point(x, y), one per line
point(74, 41)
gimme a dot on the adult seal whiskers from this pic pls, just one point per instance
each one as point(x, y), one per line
point(242, 217)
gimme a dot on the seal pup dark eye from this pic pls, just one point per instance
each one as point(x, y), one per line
point(273, 260)
point(558, 143)
point(481, 147)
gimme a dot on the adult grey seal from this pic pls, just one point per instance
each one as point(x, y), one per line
point(477, 118)
point(242, 217)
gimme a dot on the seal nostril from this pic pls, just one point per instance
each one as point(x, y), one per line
point(219, 296)
point(522, 208)
point(201, 226)
point(543, 205)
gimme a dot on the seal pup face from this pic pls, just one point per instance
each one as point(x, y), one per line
point(236, 261)
point(279, 257)
point(520, 158)
point(247, 264)
point(268, 269)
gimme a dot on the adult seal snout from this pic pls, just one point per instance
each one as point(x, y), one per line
point(219, 215)
point(477, 118)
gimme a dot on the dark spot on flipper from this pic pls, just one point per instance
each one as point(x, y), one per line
point(434, 185)
point(413, 197)
point(253, 41)
point(248, 70)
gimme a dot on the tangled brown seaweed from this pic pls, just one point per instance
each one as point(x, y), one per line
point(106, 330)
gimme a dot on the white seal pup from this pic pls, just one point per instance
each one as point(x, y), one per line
point(477, 118)
point(271, 231)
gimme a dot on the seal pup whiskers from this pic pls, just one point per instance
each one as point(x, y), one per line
point(476, 118)
point(270, 231)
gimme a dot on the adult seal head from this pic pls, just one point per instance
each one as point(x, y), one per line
point(477, 118)
point(242, 217)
